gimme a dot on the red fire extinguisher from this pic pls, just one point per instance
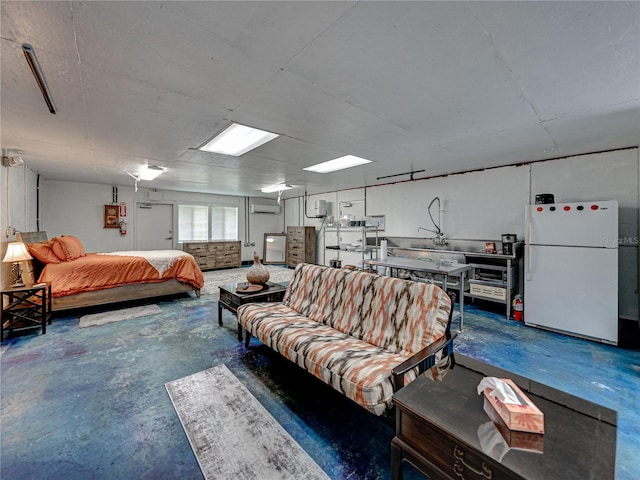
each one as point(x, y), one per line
point(123, 227)
point(518, 308)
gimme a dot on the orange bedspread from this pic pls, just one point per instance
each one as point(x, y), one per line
point(98, 272)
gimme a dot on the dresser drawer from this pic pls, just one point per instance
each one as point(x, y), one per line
point(205, 262)
point(196, 248)
point(446, 453)
point(295, 242)
point(296, 255)
point(296, 248)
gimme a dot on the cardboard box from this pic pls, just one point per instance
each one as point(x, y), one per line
point(531, 442)
point(524, 418)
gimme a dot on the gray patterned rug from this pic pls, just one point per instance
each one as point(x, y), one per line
point(232, 435)
point(214, 278)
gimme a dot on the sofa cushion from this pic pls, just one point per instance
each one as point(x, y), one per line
point(398, 315)
point(323, 294)
point(355, 368)
point(404, 317)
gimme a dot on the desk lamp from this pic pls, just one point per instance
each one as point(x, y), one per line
point(16, 253)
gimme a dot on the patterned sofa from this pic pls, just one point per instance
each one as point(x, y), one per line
point(363, 334)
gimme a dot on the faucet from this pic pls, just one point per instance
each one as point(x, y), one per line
point(440, 240)
point(439, 234)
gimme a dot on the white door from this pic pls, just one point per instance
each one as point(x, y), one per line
point(154, 226)
point(573, 290)
point(585, 224)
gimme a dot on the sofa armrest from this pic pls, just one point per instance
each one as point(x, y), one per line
point(424, 359)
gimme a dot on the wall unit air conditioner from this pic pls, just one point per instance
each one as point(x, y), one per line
point(259, 208)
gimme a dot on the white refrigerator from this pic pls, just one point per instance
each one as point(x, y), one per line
point(571, 269)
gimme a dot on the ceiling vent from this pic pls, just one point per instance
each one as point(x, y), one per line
point(261, 208)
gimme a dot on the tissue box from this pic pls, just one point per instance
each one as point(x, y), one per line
point(532, 442)
point(523, 418)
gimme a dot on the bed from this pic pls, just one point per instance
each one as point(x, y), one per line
point(92, 279)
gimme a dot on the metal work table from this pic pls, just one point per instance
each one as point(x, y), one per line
point(458, 270)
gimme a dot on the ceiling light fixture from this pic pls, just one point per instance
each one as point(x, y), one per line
point(276, 188)
point(237, 140)
point(148, 172)
point(32, 60)
point(336, 164)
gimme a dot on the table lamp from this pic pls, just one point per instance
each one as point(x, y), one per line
point(16, 253)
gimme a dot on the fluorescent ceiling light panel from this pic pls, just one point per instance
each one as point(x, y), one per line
point(276, 188)
point(150, 172)
point(336, 164)
point(237, 140)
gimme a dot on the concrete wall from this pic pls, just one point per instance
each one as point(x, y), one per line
point(18, 198)
point(483, 205)
point(72, 208)
point(478, 205)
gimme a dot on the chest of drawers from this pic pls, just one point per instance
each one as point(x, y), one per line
point(212, 255)
point(301, 245)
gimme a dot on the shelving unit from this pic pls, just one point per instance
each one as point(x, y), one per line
point(494, 277)
point(344, 235)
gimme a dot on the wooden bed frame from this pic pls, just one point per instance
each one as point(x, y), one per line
point(125, 293)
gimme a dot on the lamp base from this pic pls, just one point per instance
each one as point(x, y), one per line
point(17, 272)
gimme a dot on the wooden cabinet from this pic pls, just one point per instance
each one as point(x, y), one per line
point(444, 431)
point(301, 245)
point(212, 255)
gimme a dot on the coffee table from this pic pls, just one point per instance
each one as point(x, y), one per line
point(231, 299)
point(443, 431)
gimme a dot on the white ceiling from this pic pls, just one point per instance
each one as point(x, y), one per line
point(443, 87)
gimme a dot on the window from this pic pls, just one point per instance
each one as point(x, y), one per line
point(200, 223)
point(193, 223)
point(225, 223)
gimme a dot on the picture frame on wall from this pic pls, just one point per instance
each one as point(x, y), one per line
point(111, 216)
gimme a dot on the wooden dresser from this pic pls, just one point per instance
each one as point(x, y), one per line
point(212, 255)
point(301, 245)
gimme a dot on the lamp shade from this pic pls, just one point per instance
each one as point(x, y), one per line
point(16, 252)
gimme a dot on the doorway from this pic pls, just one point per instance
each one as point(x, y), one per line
point(154, 226)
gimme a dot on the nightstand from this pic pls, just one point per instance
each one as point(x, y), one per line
point(25, 307)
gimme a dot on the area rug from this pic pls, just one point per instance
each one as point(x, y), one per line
point(111, 316)
point(232, 435)
point(214, 278)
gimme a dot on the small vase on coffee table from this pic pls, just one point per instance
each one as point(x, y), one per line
point(258, 273)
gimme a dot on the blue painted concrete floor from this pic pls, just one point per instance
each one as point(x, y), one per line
point(90, 403)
